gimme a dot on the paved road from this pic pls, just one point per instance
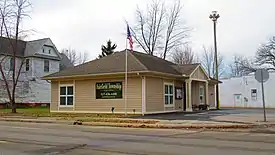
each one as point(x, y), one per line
point(247, 111)
point(254, 114)
point(51, 139)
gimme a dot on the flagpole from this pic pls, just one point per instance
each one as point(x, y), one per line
point(126, 79)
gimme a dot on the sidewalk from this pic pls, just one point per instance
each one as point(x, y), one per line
point(220, 119)
point(251, 119)
point(168, 124)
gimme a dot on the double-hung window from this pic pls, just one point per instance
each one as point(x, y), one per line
point(12, 64)
point(27, 64)
point(201, 93)
point(66, 96)
point(254, 94)
point(168, 94)
point(46, 65)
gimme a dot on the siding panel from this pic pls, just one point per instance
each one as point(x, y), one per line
point(86, 98)
point(154, 94)
point(54, 96)
point(211, 93)
point(199, 74)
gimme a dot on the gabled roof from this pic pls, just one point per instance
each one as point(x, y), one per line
point(26, 48)
point(115, 63)
point(33, 46)
point(186, 69)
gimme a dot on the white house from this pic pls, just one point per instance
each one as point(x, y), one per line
point(246, 92)
point(41, 58)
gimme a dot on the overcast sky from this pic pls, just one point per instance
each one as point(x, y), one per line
point(87, 24)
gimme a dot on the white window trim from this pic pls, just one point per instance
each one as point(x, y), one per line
point(169, 105)
point(255, 96)
point(66, 85)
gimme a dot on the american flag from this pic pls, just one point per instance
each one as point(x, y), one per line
point(129, 37)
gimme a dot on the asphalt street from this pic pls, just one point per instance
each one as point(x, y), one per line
point(51, 139)
point(210, 115)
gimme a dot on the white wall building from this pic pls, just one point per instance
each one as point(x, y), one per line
point(41, 58)
point(246, 92)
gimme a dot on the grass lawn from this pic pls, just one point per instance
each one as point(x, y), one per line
point(45, 112)
point(40, 110)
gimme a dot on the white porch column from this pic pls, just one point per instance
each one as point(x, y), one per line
point(143, 89)
point(215, 96)
point(189, 95)
point(206, 93)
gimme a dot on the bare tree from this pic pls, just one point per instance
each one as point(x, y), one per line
point(208, 62)
point(159, 28)
point(242, 66)
point(183, 55)
point(76, 58)
point(12, 13)
point(266, 53)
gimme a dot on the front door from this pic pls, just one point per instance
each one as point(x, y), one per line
point(202, 94)
point(238, 100)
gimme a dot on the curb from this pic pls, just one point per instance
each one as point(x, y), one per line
point(139, 125)
point(36, 121)
point(172, 126)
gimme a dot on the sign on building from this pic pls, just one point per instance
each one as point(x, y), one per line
point(109, 90)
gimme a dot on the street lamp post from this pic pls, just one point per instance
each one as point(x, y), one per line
point(214, 17)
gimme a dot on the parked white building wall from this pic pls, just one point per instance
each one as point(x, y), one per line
point(246, 92)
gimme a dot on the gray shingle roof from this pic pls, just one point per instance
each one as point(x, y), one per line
point(156, 64)
point(186, 69)
point(26, 48)
point(6, 47)
point(34, 45)
point(115, 63)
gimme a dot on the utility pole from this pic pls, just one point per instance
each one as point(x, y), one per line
point(214, 17)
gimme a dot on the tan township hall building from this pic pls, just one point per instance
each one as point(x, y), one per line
point(154, 86)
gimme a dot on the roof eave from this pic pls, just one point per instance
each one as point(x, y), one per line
point(89, 75)
point(167, 74)
point(107, 74)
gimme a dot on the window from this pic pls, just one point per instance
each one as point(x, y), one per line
point(49, 51)
point(66, 96)
point(11, 64)
point(201, 92)
point(43, 50)
point(46, 66)
point(168, 94)
point(27, 64)
point(254, 94)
